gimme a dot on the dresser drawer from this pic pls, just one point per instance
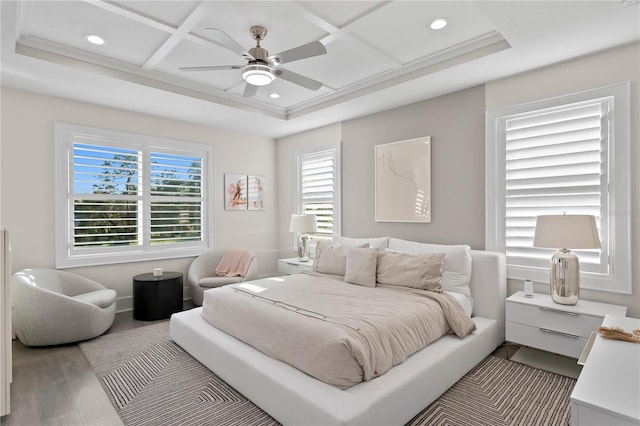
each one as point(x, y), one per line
point(553, 319)
point(546, 339)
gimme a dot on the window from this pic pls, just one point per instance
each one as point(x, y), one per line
point(317, 191)
point(125, 197)
point(568, 154)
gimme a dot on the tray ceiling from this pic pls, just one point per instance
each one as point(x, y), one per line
point(377, 51)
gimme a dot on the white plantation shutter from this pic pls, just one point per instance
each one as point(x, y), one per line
point(555, 162)
point(176, 198)
point(123, 197)
point(566, 154)
point(318, 190)
point(105, 195)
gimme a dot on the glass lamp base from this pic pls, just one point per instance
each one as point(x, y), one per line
point(303, 248)
point(565, 277)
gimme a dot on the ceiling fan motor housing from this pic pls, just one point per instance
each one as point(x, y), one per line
point(260, 55)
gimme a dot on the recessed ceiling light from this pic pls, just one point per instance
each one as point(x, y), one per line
point(438, 24)
point(94, 39)
point(274, 95)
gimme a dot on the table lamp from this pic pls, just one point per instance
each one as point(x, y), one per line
point(302, 224)
point(566, 232)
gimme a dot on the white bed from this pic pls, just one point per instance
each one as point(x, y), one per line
point(294, 398)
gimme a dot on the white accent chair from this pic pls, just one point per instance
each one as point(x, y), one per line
point(52, 307)
point(202, 276)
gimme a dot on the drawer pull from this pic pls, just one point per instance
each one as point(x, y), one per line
point(546, 330)
point(557, 311)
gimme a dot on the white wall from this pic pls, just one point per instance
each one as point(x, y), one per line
point(287, 150)
point(27, 179)
point(455, 123)
point(589, 72)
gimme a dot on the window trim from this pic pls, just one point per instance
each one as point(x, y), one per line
point(337, 198)
point(64, 138)
point(619, 159)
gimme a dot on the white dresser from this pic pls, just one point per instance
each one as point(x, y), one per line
point(293, 266)
point(608, 389)
point(539, 322)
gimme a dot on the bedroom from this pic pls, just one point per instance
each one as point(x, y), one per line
point(27, 119)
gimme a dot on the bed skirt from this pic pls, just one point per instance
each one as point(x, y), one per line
point(294, 398)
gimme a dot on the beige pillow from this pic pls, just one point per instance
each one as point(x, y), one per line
point(361, 266)
point(423, 271)
point(457, 264)
point(331, 260)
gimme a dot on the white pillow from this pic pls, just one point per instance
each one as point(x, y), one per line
point(361, 266)
point(457, 263)
point(379, 242)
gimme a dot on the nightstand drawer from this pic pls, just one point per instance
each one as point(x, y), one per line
point(553, 319)
point(293, 266)
point(287, 268)
point(546, 339)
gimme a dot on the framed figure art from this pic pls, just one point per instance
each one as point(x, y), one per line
point(403, 181)
point(235, 195)
point(255, 188)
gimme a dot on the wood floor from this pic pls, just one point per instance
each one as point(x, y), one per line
point(56, 385)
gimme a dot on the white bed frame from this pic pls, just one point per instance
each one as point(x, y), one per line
point(294, 398)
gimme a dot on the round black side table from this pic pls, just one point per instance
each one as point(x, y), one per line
point(156, 298)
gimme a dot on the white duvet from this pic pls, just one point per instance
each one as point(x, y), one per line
point(336, 332)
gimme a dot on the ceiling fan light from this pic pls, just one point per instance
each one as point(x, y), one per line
point(258, 75)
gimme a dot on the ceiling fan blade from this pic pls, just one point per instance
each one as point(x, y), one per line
point(298, 79)
point(225, 40)
point(212, 68)
point(308, 50)
point(249, 90)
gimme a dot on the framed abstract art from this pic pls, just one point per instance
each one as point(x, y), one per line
point(403, 181)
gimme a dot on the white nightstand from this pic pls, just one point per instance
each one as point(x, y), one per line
point(608, 389)
point(539, 322)
point(293, 266)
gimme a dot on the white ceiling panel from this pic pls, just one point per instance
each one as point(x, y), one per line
point(66, 23)
point(341, 13)
point(342, 66)
point(409, 38)
point(191, 54)
point(285, 28)
point(171, 13)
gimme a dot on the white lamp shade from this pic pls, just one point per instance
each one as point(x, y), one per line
point(303, 223)
point(566, 231)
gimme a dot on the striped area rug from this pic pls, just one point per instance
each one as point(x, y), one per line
point(152, 381)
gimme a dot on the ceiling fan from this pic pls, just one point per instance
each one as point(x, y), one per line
point(261, 68)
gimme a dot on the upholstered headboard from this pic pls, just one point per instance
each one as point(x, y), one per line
point(489, 285)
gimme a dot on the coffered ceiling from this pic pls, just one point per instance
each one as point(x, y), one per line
point(380, 54)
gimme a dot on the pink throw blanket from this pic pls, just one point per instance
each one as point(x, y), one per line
point(234, 263)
